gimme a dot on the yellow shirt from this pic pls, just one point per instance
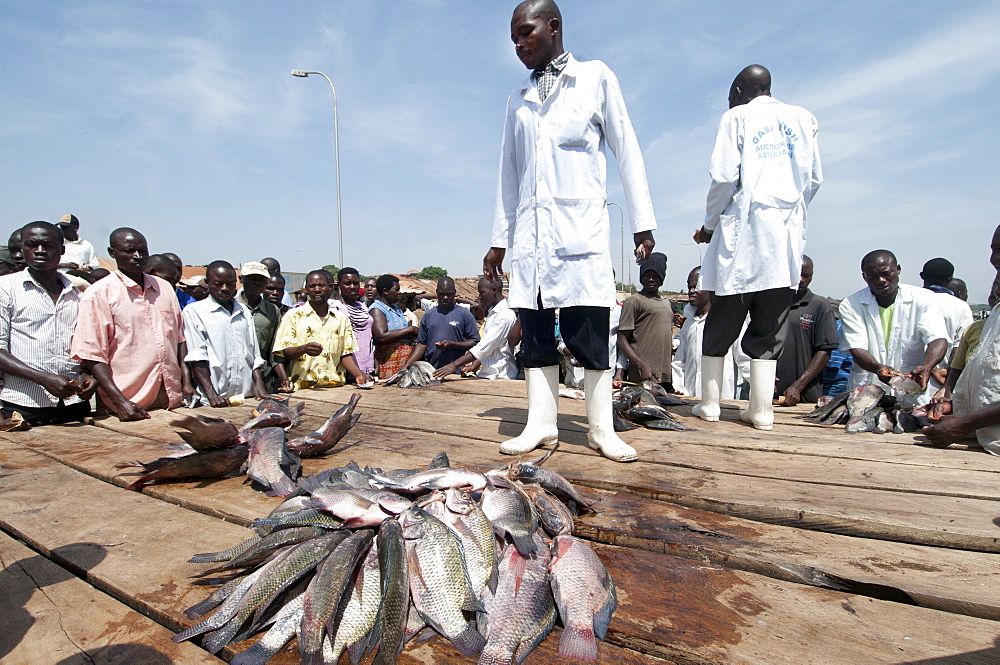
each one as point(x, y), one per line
point(302, 325)
point(970, 340)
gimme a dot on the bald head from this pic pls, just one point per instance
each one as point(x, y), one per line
point(130, 252)
point(175, 259)
point(490, 292)
point(272, 264)
point(120, 235)
point(160, 265)
point(754, 81)
point(446, 294)
point(543, 9)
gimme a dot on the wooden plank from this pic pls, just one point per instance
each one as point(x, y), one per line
point(698, 614)
point(811, 440)
point(55, 508)
point(921, 519)
point(956, 581)
point(50, 615)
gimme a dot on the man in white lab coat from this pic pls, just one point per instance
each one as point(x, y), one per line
point(765, 170)
point(551, 213)
point(890, 327)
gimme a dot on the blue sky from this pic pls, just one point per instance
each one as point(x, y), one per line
point(182, 120)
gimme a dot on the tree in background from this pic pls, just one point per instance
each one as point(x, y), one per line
point(432, 272)
point(332, 269)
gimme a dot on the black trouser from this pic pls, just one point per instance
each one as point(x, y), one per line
point(763, 339)
point(50, 415)
point(585, 331)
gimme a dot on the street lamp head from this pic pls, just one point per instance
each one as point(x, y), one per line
point(300, 73)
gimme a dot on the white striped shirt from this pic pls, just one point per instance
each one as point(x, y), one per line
point(37, 332)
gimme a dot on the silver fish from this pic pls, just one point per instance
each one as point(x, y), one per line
point(325, 592)
point(465, 518)
point(389, 633)
point(270, 463)
point(286, 624)
point(510, 511)
point(439, 583)
point(327, 436)
point(356, 617)
point(585, 595)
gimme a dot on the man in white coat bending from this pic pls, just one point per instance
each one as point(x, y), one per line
point(765, 170)
point(551, 213)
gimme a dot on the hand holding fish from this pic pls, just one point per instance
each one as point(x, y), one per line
point(921, 374)
point(793, 395)
point(644, 245)
point(950, 429)
point(702, 236)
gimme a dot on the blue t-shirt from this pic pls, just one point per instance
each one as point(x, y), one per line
point(184, 299)
point(458, 325)
point(837, 372)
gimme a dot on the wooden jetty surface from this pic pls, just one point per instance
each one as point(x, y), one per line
point(728, 544)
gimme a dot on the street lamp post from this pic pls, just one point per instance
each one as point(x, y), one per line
point(336, 151)
point(622, 213)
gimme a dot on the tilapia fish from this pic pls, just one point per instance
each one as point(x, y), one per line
point(356, 617)
point(522, 612)
point(205, 433)
point(585, 595)
point(293, 414)
point(439, 583)
point(322, 597)
point(868, 422)
point(219, 463)
point(550, 480)
point(390, 624)
point(359, 507)
point(510, 511)
point(327, 436)
point(270, 463)
point(653, 418)
point(861, 400)
point(622, 425)
point(821, 412)
point(457, 510)
point(904, 384)
point(554, 516)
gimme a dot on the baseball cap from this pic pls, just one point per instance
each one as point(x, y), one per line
point(69, 220)
point(254, 268)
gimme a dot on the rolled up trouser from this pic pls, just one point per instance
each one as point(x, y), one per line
point(765, 333)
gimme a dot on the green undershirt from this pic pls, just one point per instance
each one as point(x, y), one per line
point(885, 314)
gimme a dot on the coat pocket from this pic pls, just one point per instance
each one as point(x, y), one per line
point(579, 226)
point(571, 132)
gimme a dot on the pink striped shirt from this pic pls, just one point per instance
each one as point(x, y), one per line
point(135, 331)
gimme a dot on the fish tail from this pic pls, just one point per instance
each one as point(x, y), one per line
point(578, 642)
point(255, 655)
point(470, 642)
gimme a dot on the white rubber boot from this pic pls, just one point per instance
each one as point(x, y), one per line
point(601, 435)
point(761, 412)
point(543, 407)
point(711, 389)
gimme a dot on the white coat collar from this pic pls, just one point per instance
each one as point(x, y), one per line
point(529, 87)
point(904, 295)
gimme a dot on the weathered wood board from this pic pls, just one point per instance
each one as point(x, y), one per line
point(698, 613)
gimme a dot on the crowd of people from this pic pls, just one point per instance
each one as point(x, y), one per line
point(751, 329)
point(142, 338)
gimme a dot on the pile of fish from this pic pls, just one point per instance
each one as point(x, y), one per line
point(363, 560)
point(419, 374)
point(870, 408)
point(217, 449)
point(642, 404)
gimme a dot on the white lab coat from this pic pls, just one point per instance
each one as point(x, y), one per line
point(765, 170)
point(979, 385)
point(551, 208)
point(916, 322)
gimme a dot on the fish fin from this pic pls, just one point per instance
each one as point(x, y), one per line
point(141, 482)
point(470, 641)
point(602, 617)
point(578, 642)
point(281, 487)
point(524, 543)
